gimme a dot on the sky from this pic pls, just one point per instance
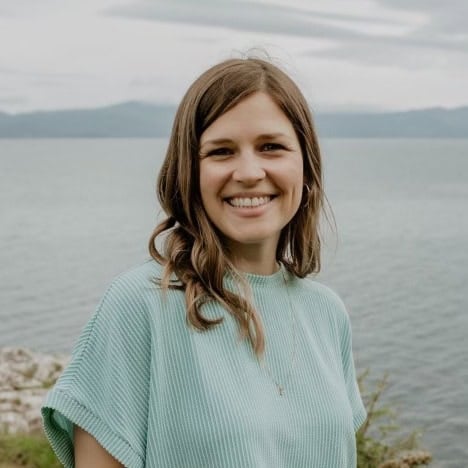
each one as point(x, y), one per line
point(346, 55)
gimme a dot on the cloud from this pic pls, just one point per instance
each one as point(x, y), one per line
point(409, 53)
point(247, 16)
point(446, 24)
point(388, 55)
point(445, 17)
point(342, 52)
point(370, 39)
point(13, 100)
point(39, 74)
point(28, 8)
point(439, 38)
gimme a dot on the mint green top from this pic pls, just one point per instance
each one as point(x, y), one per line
point(157, 393)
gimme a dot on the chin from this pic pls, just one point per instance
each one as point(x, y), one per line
point(252, 238)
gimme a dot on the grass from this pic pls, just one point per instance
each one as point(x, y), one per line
point(26, 451)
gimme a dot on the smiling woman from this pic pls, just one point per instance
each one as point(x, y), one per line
point(159, 376)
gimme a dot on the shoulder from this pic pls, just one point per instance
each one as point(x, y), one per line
point(134, 283)
point(320, 291)
point(122, 316)
point(137, 278)
point(323, 298)
point(125, 299)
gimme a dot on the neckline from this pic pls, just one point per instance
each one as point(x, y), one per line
point(278, 277)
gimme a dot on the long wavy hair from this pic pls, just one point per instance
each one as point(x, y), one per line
point(192, 250)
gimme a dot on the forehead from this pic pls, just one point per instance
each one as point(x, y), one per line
point(255, 115)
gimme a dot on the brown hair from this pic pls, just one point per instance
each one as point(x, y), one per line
point(192, 248)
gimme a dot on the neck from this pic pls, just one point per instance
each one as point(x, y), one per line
point(256, 259)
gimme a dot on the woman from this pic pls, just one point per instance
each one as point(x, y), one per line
point(218, 352)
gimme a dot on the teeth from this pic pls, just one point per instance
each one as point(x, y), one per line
point(248, 202)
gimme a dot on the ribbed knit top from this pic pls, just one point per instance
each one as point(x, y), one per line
point(157, 393)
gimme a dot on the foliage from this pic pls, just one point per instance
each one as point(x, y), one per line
point(26, 451)
point(378, 445)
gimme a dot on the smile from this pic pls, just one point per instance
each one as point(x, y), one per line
point(249, 202)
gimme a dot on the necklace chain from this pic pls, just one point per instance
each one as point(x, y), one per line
point(282, 386)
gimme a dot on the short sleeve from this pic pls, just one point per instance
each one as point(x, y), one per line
point(105, 388)
point(352, 389)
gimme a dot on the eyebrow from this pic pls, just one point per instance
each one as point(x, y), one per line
point(263, 136)
point(217, 141)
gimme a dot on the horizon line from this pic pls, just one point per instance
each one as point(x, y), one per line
point(172, 105)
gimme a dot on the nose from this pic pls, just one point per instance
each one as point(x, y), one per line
point(249, 169)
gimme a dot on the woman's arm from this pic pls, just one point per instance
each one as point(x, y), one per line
point(88, 452)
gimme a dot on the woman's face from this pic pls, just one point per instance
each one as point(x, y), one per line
point(251, 172)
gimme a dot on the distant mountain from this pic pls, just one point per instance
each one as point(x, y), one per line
point(143, 120)
point(126, 120)
point(424, 123)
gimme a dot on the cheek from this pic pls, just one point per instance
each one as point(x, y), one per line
point(213, 177)
point(205, 197)
point(209, 185)
point(295, 178)
point(297, 182)
point(204, 178)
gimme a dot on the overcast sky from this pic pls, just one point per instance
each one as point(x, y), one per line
point(345, 55)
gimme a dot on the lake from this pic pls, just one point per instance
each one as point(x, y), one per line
point(75, 213)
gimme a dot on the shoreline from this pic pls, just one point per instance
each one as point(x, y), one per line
point(25, 378)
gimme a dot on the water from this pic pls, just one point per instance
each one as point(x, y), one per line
point(75, 213)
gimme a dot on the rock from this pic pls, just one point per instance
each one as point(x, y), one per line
point(25, 378)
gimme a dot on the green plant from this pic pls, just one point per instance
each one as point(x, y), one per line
point(26, 451)
point(378, 445)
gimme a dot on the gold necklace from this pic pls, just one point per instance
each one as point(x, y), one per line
point(282, 386)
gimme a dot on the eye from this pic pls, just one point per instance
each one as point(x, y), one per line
point(219, 152)
point(271, 147)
